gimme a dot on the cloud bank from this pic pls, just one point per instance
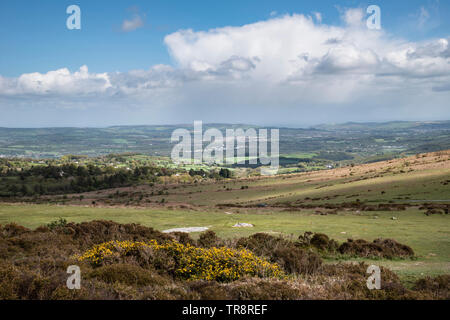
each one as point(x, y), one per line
point(291, 70)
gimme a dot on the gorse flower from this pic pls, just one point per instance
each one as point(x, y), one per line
point(192, 263)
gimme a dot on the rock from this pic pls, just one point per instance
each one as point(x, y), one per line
point(187, 230)
point(243, 225)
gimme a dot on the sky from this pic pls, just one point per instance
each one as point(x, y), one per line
point(281, 63)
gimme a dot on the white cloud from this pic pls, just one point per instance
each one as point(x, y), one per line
point(135, 23)
point(318, 17)
point(353, 17)
point(424, 16)
point(287, 68)
point(60, 81)
point(276, 43)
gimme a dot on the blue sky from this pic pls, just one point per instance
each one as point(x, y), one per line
point(34, 36)
point(159, 72)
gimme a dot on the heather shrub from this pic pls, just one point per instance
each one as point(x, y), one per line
point(183, 238)
point(296, 260)
point(94, 232)
point(319, 241)
point(208, 239)
point(261, 244)
point(128, 274)
point(209, 290)
point(349, 282)
point(263, 289)
point(437, 287)
point(12, 230)
point(290, 257)
point(323, 243)
point(434, 211)
point(380, 248)
point(9, 278)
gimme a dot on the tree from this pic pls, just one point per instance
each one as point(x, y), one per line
point(225, 173)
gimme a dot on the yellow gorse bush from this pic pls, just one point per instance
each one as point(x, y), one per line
point(221, 264)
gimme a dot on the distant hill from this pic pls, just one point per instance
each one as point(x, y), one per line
point(392, 125)
point(359, 141)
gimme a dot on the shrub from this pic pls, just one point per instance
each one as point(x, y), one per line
point(57, 223)
point(9, 277)
point(349, 282)
point(209, 290)
point(264, 289)
point(94, 232)
point(12, 230)
point(319, 241)
point(191, 263)
point(296, 260)
point(283, 252)
point(182, 237)
point(128, 274)
point(438, 287)
point(382, 248)
point(434, 211)
point(208, 239)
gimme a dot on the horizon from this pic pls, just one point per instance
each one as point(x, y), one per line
point(314, 126)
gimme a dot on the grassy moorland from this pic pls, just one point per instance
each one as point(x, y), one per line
point(429, 236)
point(378, 200)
